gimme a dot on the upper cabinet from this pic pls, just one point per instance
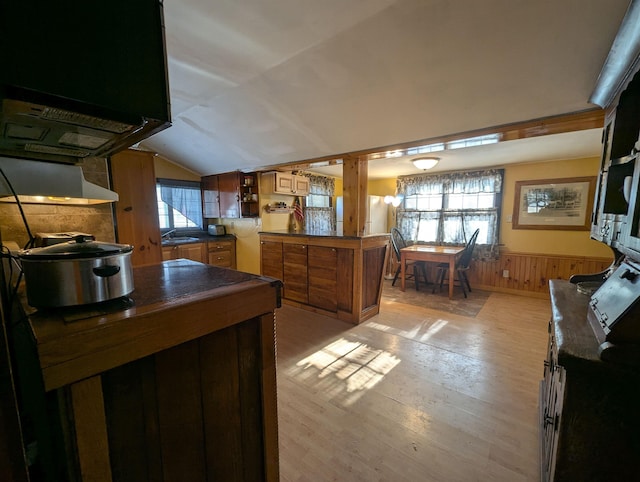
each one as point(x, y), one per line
point(285, 183)
point(616, 216)
point(230, 195)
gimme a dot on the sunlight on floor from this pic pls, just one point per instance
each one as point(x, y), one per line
point(421, 332)
point(356, 365)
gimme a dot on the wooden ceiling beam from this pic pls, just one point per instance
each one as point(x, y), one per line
point(577, 121)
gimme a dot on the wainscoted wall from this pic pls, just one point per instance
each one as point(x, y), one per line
point(529, 274)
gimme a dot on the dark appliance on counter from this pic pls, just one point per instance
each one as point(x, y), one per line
point(216, 229)
point(42, 240)
point(81, 79)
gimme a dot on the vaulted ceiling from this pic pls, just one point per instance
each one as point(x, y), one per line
point(257, 83)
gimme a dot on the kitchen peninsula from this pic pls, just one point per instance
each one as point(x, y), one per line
point(176, 382)
point(327, 272)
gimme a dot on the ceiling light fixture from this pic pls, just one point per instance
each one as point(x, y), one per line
point(425, 163)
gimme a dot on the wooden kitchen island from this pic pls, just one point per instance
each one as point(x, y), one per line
point(339, 276)
point(175, 383)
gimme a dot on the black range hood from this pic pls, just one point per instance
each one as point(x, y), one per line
point(81, 78)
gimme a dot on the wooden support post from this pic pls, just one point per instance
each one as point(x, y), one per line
point(354, 191)
point(90, 429)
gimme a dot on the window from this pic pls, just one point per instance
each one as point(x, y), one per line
point(179, 204)
point(319, 215)
point(448, 208)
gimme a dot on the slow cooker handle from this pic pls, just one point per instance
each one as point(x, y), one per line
point(106, 270)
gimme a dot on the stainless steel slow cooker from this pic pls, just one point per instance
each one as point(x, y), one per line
point(77, 272)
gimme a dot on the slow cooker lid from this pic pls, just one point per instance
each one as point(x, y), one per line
point(80, 247)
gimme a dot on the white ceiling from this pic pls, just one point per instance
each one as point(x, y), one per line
point(257, 83)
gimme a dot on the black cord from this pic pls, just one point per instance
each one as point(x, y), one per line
point(24, 218)
point(13, 291)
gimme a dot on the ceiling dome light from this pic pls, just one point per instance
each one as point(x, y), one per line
point(425, 163)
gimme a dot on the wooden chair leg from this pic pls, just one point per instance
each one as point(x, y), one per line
point(424, 273)
point(461, 277)
point(415, 276)
point(440, 278)
point(466, 280)
point(393, 283)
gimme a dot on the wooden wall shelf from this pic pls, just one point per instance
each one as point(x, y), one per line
point(270, 209)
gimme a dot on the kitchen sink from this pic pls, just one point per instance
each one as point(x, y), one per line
point(179, 240)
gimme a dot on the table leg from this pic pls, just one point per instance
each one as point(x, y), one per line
point(452, 274)
point(402, 268)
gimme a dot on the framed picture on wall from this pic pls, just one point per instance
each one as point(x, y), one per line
point(563, 204)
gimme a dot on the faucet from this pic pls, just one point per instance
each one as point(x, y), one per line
point(168, 233)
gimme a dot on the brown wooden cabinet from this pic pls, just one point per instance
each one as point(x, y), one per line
point(334, 275)
point(193, 251)
point(222, 252)
point(271, 258)
point(322, 276)
point(294, 257)
point(230, 195)
point(309, 273)
point(210, 197)
point(551, 398)
point(182, 387)
point(285, 183)
point(137, 223)
point(589, 420)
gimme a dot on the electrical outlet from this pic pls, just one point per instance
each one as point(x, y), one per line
point(509, 218)
point(505, 273)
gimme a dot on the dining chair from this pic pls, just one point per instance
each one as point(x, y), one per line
point(462, 266)
point(419, 267)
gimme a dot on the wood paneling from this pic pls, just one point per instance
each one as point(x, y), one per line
point(194, 412)
point(530, 273)
point(374, 262)
point(271, 259)
point(137, 222)
point(344, 279)
point(295, 272)
point(323, 273)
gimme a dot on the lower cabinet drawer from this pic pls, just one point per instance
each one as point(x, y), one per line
point(220, 258)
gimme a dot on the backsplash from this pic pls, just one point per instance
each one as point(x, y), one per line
point(96, 219)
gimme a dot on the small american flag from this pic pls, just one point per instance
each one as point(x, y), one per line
point(298, 213)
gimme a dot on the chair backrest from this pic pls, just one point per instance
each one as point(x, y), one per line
point(465, 258)
point(397, 241)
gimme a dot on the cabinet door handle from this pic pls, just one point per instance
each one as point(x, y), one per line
point(552, 420)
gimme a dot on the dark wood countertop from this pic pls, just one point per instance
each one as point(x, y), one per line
point(574, 336)
point(173, 302)
point(578, 346)
point(321, 234)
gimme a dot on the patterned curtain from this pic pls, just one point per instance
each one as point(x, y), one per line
point(447, 208)
point(319, 215)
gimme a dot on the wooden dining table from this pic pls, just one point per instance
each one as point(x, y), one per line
point(434, 254)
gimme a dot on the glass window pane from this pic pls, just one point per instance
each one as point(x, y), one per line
point(455, 201)
point(428, 230)
point(411, 202)
point(486, 200)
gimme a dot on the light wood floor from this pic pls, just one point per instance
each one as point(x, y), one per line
point(413, 394)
